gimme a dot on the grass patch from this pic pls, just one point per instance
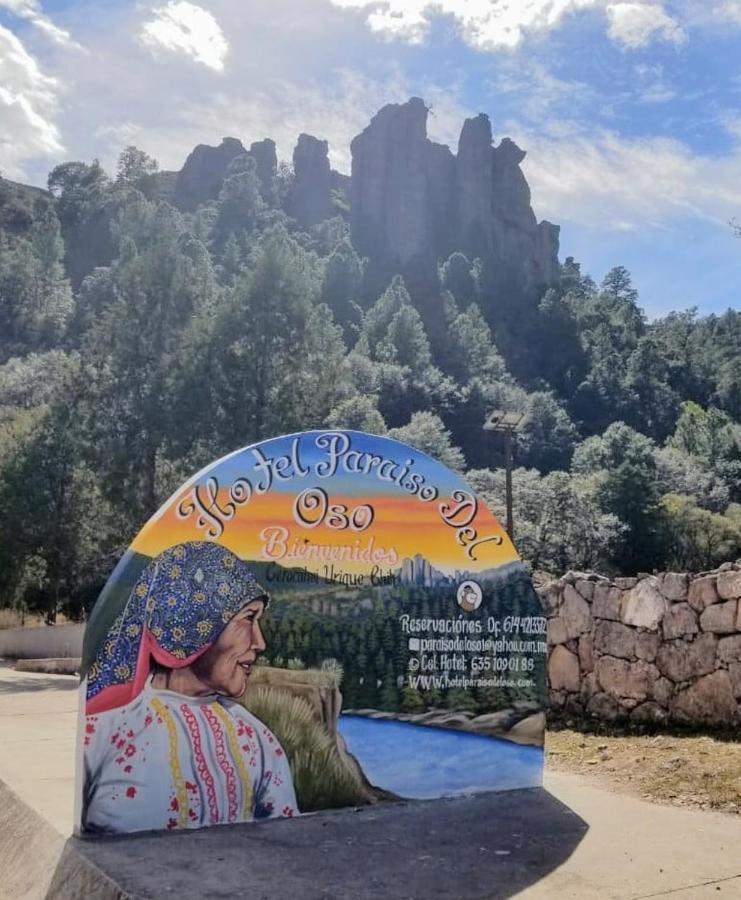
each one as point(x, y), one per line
point(322, 777)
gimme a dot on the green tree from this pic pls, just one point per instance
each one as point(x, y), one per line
point(426, 432)
point(697, 538)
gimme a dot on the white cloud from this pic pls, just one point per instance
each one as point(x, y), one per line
point(183, 27)
point(498, 24)
point(31, 11)
point(28, 105)
point(611, 183)
point(637, 24)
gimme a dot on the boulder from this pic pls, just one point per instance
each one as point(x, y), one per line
point(674, 586)
point(626, 584)
point(647, 645)
point(649, 712)
point(614, 639)
point(586, 653)
point(729, 585)
point(586, 589)
point(622, 679)
point(734, 672)
point(563, 670)
point(556, 699)
point(663, 691)
point(729, 649)
point(644, 606)
point(720, 618)
point(575, 613)
point(605, 707)
point(550, 599)
point(679, 621)
point(702, 592)
point(684, 661)
point(589, 686)
point(606, 602)
point(711, 699)
point(557, 632)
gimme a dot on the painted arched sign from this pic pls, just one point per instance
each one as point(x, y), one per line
point(324, 619)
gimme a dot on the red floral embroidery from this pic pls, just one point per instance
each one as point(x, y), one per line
point(201, 764)
point(130, 750)
point(174, 805)
point(90, 728)
point(278, 751)
point(190, 786)
point(131, 792)
point(87, 741)
point(114, 738)
point(288, 812)
point(128, 769)
point(172, 823)
point(148, 719)
point(223, 761)
point(120, 759)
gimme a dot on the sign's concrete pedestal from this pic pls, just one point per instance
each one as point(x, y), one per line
point(491, 846)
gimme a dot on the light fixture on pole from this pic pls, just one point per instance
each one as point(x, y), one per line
point(507, 423)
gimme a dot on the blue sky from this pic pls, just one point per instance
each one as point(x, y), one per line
point(630, 110)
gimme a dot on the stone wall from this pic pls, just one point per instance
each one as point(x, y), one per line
point(656, 648)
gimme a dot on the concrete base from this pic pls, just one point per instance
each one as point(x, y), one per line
point(489, 846)
point(36, 861)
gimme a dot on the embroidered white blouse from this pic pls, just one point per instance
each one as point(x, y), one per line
point(170, 761)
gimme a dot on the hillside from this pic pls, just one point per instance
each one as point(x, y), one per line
point(152, 321)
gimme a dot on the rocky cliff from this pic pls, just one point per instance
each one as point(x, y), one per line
point(413, 201)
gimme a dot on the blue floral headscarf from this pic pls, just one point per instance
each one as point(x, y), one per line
point(178, 607)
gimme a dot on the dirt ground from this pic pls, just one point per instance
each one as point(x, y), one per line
point(681, 770)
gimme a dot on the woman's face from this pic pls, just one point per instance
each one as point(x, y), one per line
point(226, 666)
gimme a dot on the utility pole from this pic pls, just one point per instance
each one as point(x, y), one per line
point(506, 424)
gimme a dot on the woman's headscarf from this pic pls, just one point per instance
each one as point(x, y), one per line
point(178, 607)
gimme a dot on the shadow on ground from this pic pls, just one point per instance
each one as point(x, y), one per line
point(489, 846)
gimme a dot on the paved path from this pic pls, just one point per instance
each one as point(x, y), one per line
point(632, 849)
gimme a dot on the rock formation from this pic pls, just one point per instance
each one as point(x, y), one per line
point(266, 159)
point(413, 201)
point(202, 176)
point(310, 197)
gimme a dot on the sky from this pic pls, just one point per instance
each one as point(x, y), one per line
point(630, 112)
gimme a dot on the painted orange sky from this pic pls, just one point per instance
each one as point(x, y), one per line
point(403, 523)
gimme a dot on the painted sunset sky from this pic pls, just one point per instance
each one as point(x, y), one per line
point(402, 523)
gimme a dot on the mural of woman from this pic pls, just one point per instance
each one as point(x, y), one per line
point(166, 743)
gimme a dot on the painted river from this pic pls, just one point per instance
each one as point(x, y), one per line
point(421, 762)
